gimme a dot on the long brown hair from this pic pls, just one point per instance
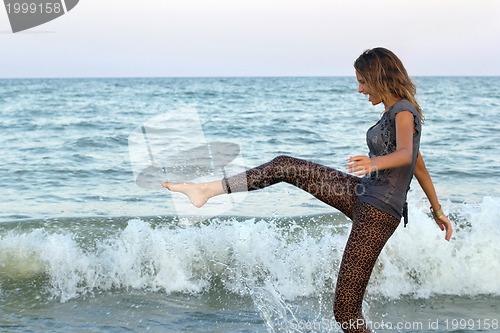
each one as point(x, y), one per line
point(385, 74)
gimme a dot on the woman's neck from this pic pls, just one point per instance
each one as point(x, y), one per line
point(389, 102)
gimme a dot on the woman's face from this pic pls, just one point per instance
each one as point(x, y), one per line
point(363, 88)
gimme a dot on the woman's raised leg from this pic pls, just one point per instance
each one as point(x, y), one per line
point(329, 185)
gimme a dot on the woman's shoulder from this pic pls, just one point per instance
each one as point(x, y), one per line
point(404, 105)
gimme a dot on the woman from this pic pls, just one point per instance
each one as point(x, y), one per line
point(375, 202)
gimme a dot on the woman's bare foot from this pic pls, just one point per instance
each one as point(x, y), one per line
point(198, 193)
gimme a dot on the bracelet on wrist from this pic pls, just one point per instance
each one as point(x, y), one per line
point(437, 213)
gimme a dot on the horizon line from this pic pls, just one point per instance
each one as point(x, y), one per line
point(228, 77)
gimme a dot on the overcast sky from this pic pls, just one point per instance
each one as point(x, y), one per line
point(117, 38)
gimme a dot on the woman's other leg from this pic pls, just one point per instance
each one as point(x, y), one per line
point(371, 228)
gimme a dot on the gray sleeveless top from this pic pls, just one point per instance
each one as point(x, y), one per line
point(386, 189)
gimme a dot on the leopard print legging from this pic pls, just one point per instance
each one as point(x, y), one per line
point(370, 231)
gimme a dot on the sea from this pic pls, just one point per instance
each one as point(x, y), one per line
point(90, 242)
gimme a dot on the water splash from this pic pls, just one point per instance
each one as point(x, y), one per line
point(299, 255)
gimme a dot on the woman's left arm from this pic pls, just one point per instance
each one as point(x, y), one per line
point(425, 181)
point(361, 165)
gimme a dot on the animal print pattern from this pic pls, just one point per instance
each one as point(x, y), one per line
point(370, 230)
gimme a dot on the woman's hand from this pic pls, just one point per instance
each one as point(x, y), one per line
point(444, 224)
point(361, 165)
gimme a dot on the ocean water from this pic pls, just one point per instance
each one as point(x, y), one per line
point(87, 246)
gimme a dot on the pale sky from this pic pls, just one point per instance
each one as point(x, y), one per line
point(171, 38)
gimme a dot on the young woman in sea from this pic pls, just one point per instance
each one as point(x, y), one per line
point(372, 194)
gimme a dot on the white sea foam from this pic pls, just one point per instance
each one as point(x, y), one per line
point(418, 261)
point(300, 259)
